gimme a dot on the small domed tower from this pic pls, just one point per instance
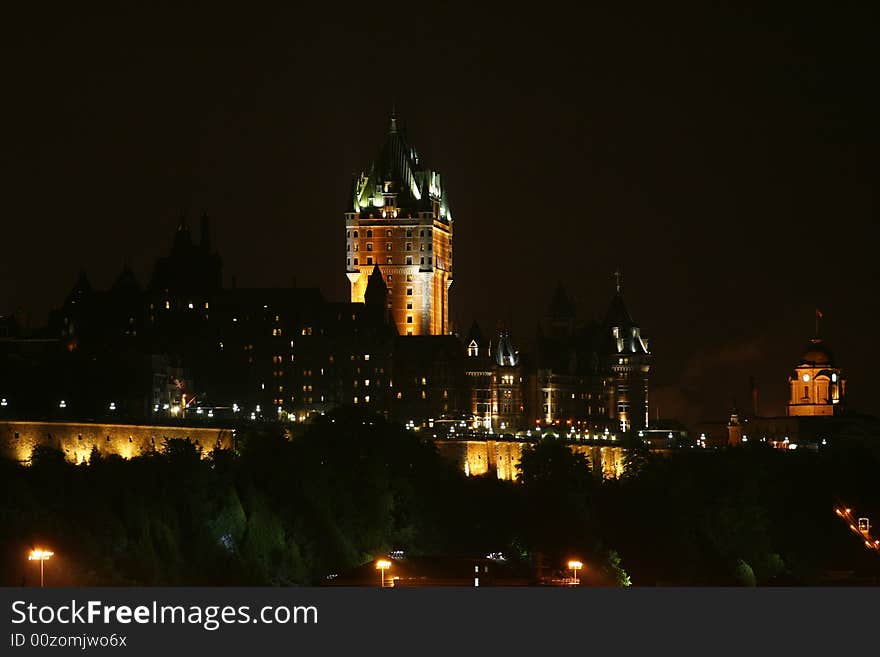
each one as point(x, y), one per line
point(817, 386)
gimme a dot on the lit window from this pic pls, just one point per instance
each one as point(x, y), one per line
point(387, 233)
point(369, 246)
point(388, 246)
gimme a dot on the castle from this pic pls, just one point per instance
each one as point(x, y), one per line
point(186, 347)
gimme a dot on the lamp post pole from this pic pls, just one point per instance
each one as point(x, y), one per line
point(382, 565)
point(41, 556)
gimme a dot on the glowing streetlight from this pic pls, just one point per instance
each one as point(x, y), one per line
point(41, 556)
point(382, 565)
point(575, 566)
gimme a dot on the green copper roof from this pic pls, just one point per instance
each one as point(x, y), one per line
point(397, 172)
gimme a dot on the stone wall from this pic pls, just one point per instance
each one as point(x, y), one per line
point(76, 439)
point(502, 457)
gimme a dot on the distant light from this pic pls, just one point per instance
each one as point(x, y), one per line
point(575, 565)
point(806, 378)
point(235, 408)
point(3, 402)
point(63, 404)
point(383, 564)
point(112, 406)
point(834, 377)
point(39, 555)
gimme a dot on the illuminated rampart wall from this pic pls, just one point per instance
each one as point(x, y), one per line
point(502, 457)
point(18, 439)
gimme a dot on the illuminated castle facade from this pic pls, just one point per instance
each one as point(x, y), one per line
point(399, 219)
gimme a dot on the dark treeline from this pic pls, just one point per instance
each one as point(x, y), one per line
point(289, 512)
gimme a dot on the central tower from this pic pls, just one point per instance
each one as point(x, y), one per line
point(400, 220)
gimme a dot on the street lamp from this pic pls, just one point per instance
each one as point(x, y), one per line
point(41, 556)
point(382, 565)
point(575, 566)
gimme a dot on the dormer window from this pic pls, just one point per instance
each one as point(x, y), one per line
point(473, 349)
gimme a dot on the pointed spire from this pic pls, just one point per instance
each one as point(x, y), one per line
point(818, 322)
point(377, 291)
point(617, 277)
point(393, 127)
point(81, 288)
point(561, 305)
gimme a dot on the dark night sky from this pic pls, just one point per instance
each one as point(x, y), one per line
point(723, 158)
